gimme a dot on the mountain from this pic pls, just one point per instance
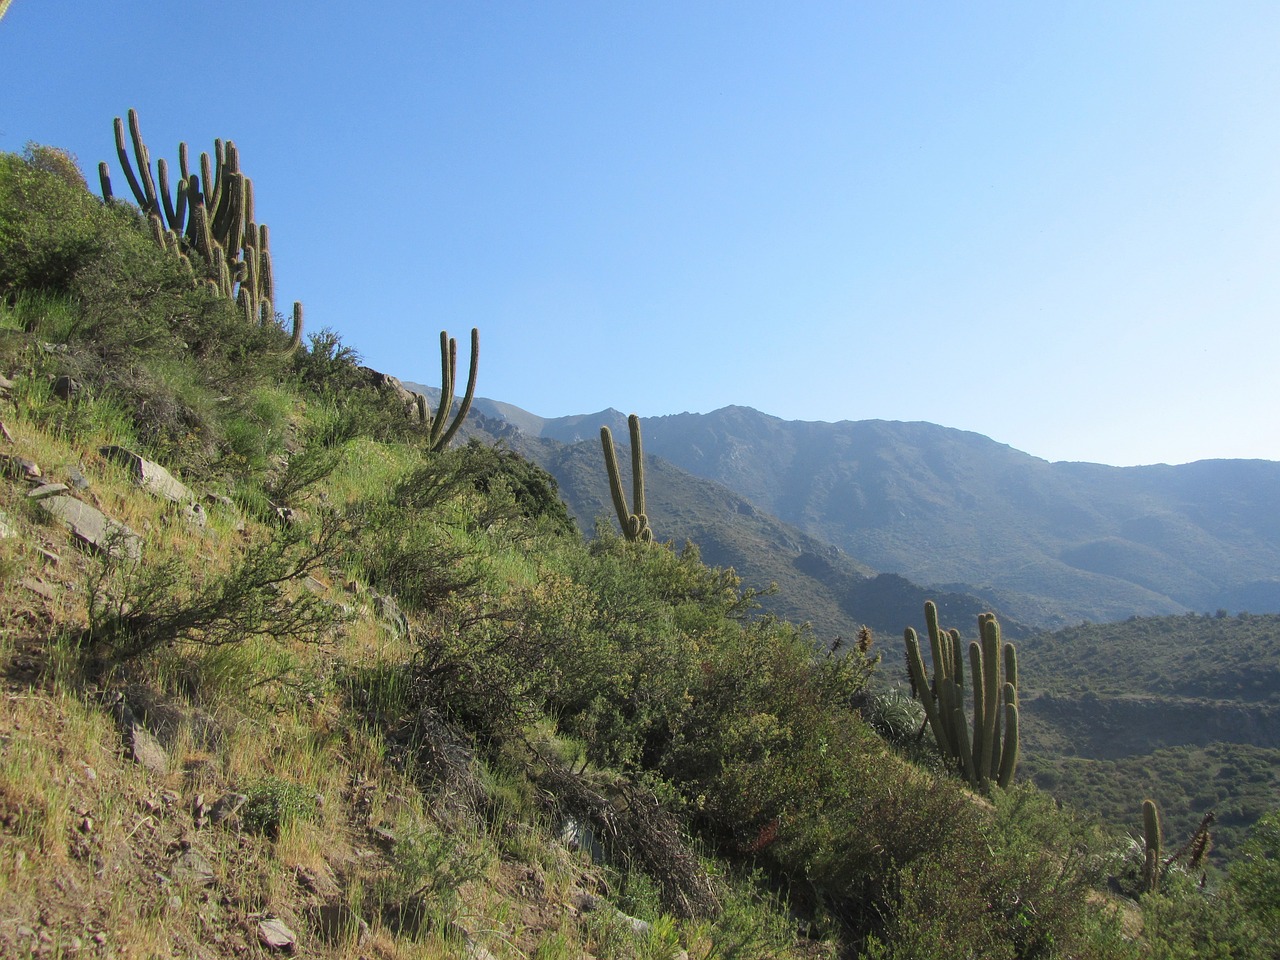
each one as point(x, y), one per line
point(1051, 543)
point(816, 582)
point(1048, 544)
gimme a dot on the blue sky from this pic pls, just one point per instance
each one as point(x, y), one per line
point(1054, 224)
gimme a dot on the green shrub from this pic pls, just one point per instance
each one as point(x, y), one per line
point(135, 606)
point(49, 228)
point(273, 803)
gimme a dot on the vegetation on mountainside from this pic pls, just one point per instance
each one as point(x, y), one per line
point(1214, 656)
point(472, 683)
point(1185, 709)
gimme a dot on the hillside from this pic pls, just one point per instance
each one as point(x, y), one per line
point(816, 583)
point(1049, 544)
point(1182, 708)
point(288, 672)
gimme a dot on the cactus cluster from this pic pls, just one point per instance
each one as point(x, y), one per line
point(634, 522)
point(206, 219)
point(990, 752)
point(440, 430)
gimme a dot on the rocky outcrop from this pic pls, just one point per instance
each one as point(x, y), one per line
point(150, 476)
point(92, 528)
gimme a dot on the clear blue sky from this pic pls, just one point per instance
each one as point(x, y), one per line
point(1057, 224)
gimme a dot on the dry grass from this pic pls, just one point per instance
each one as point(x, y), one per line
point(92, 845)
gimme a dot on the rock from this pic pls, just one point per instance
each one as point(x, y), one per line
point(192, 867)
point(639, 927)
point(46, 490)
point(145, 749)
point(6, 529)
point(38, 587)
point(4, 432)
point(78, 480)
point(390, 615)
point(5, 385)
point(337, 922)
point(276, 935)
point(195, 513)
point(93, 528)
point(150, 476)
point(227, 805)
point(66, 388)
point(19, 468)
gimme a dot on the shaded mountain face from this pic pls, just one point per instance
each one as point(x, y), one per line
point(1049, 544)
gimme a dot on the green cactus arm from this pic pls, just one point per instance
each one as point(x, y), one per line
point(104, 181)
point(957, 659)
point(245, 301)
point(962, 741)
point(941, 672)
point(448, 367)
point(920, 680)
point(941, 668)
point(222, 272)
point(615, 481)
point(465, 407)
point(644, 532)
point(140, 194)
point(990, 695)
point(214, 173)
point(170, 212)
point(295, 333)
point(1009, 754)
point(979, 710)
point(157, 231)
point(637, 466)
point(266, 270)
point(952, 696)
point(229, 226)
point(207, 175)
point(1010, 664)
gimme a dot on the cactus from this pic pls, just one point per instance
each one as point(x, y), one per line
point(990, 752)
point(440, 431)
point(1152, 868)
point(635, 524)
point(208, 219)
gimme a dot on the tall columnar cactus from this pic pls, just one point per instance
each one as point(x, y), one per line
point(988, 751)
point(207, 220)
point(1152, 867)
point(634, 523)
point(440, 430)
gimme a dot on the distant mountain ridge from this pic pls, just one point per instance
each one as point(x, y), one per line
point(1050, 544)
